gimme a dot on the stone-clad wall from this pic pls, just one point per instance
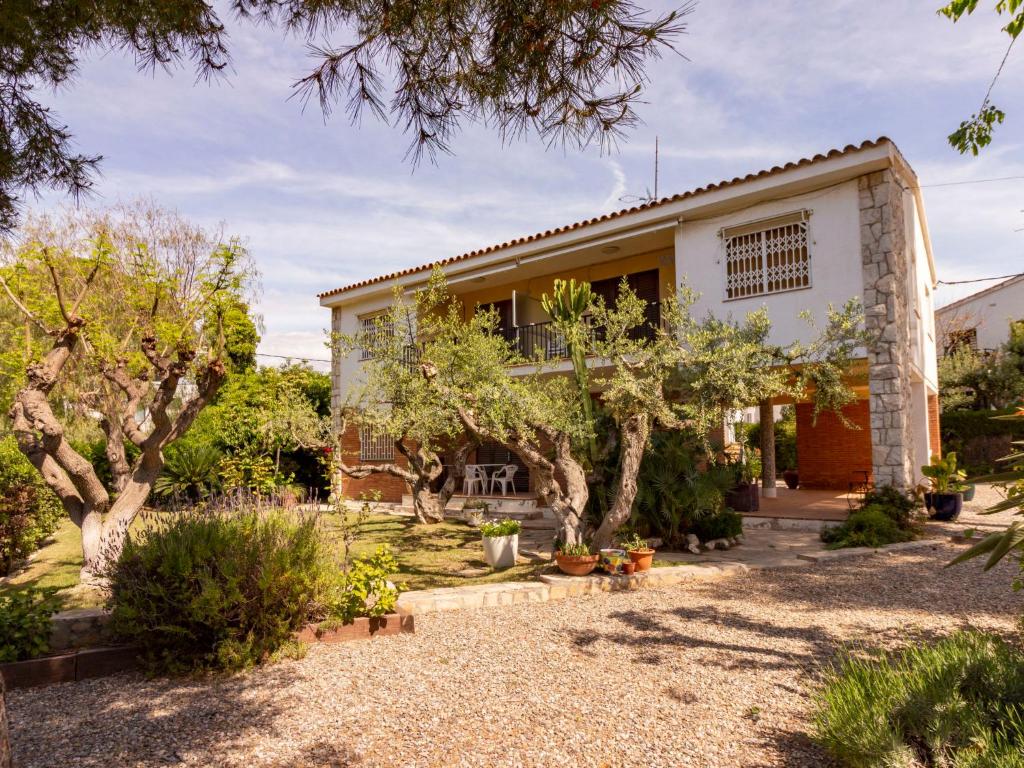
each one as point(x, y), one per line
point(885, 271)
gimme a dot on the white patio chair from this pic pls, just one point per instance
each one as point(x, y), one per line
point(504, 477)
point(475, 478)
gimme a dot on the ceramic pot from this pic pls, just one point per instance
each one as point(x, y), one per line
point(968, 494)
point(642, 558)
point(576, 565)
point(501, 551)
point(947, 506)
point(792, 478)
point(744, 498)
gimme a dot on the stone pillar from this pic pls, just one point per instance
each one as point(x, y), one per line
point(884, 267)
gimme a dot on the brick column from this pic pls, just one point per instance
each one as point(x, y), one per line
point(884, 269)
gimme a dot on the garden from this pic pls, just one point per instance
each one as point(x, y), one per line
point(152, 468)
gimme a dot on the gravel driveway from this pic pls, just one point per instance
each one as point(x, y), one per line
point(713, 674)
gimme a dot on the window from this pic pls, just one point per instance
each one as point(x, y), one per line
point(370, 327)
point(375, 446)
point(767, 259)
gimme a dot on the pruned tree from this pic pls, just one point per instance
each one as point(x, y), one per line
point(129, 297)
point(568, 70)
point(393, 399)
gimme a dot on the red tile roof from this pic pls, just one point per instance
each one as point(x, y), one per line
point(616, 214)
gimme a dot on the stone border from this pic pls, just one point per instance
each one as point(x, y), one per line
point(759, 523)
point(555, 587)
point(889, 549)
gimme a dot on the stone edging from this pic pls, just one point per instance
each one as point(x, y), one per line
point(83, 663)
point(555, 587)
point(829, 555)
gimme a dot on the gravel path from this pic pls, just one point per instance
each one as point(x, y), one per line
point(713, 674)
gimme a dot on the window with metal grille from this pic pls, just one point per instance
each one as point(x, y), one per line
point(375, 446)
point(372, 327)
point(770, 259)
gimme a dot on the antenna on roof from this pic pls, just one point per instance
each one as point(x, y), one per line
point(648, 197)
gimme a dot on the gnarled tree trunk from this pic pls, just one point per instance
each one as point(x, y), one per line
point(634, 433)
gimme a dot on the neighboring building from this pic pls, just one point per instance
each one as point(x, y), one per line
point(981, 320)
point(812, 233)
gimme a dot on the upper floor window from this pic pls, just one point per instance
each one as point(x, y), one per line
point(375, 446)
point(767, 258)
point(371, 328)
point(964, 337)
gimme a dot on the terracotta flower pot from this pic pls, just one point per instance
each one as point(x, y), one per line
point(629, 568)
point(576, 565)
point(642, 558)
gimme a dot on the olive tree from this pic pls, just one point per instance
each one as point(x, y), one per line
point(393, 398)
point(130, 298)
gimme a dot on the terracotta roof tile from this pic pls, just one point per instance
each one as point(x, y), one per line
point(614, 215)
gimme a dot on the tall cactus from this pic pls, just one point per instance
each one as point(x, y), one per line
point(567, 306)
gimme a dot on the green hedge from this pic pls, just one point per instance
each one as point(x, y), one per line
point(978, 439)
point(29, 511)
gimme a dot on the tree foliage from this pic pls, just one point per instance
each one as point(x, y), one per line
point(570, 70)
point(981, 380)
point(975, 133)
point(128, 301)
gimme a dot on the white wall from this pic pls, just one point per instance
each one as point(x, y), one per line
point(990, 313)
point(922, 309)
point(834, 232)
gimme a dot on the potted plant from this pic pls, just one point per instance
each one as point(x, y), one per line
point(612, 559)
point(575, 559)
point(967, 490)
point(792, 478)
point(639, 553)
point(501, 542)
point(744, 496)
point(945, 479)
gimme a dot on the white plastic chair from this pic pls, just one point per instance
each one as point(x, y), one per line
point(475, 478)
point(504, 478)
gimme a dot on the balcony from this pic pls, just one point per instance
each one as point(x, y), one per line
point(542, 340)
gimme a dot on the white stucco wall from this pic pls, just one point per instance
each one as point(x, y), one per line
point(990, 313)
point(922, 310)
point(834, 232)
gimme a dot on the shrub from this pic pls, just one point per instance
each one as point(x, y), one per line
point(190, 471)
point(870, 526)
point(29, 510)
point(220, 590)
point(675, 487)
point(901, 507)
point(495, 528)
point(25, 624)
point(721, 525)
point(957, 702)
point(572, 550)
point(365, 589)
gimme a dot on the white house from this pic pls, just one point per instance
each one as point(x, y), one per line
point(818, 231)
point(982, 320)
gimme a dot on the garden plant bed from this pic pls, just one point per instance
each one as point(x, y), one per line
point(719, 674)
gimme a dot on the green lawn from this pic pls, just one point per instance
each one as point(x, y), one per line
point(428, 555)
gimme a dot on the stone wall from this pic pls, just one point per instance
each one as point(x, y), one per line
point(884, 267)
point(79, 628)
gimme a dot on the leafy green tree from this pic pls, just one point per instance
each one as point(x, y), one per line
point(571, 71)
point(125, 297)
point(975, 133)
point(981, 381)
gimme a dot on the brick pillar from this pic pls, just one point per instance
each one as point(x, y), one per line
point(884, 270)
point(934, 439)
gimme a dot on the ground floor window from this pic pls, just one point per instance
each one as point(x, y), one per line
point(375, 446)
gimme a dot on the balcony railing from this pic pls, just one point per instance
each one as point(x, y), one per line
point(543, 339)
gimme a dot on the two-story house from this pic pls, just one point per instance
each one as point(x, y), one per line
point(799, 237)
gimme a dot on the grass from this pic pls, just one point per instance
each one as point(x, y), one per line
point(429, 556)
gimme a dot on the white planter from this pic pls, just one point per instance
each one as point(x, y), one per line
point(501, 551)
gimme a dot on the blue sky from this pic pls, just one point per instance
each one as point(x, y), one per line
point(322, 204)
